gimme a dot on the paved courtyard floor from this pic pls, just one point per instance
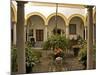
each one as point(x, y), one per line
point(71, 63)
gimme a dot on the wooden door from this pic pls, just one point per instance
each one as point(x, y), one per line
point(39, 35)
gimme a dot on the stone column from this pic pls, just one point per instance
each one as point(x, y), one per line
point(90, 38)
point(14, 33)
point(34, 32)
point(45, 33)
point(94, 40)
point(25, 33)
point(20, 37)
point(85, 32)
point(67, 31)
point(93, 33)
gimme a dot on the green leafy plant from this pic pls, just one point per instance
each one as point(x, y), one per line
point(32, 58)
point(56, 41)
point(83, 54)
point(13, 59)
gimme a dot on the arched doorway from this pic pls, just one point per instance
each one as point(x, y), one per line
point(76, 27)
point(35, 29)
point(61, 26)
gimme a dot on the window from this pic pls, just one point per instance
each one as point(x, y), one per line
point(72, 29)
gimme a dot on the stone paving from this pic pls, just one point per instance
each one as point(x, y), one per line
point(47, 64)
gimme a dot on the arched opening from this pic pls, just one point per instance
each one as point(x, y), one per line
point(35, 13)
point(76, 27)
point(35, 30)
point(61, 26)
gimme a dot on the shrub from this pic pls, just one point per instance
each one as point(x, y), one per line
point(56, 41)
point(13, 59)
point(83, 54)
point(32, 59)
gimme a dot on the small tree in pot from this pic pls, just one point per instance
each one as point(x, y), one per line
point(83, 54)
point(32, 58)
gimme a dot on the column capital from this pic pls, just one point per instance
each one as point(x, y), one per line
point(14, 22)
point(85, 26)
point(21, 3)
point(89, 7)
point(46, 25)
point(67, 25)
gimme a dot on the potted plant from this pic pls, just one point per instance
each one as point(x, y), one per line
point(32, 58)
point(83, 54)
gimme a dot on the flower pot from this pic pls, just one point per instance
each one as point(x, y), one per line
point(29, 68)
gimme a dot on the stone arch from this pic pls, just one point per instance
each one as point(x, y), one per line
point(76, 15)
point(35, 13)
point(78, 21)
point(14, 12)
point(61, 24)
point(58, 14)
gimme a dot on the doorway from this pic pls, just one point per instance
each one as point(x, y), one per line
point(39, 35)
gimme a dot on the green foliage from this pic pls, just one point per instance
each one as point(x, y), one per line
point(83, 53)
point(56, 41)
point(32, 57)
point(13, 59)
point(94, 52)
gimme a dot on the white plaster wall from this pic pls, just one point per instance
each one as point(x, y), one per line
point(46, 11)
